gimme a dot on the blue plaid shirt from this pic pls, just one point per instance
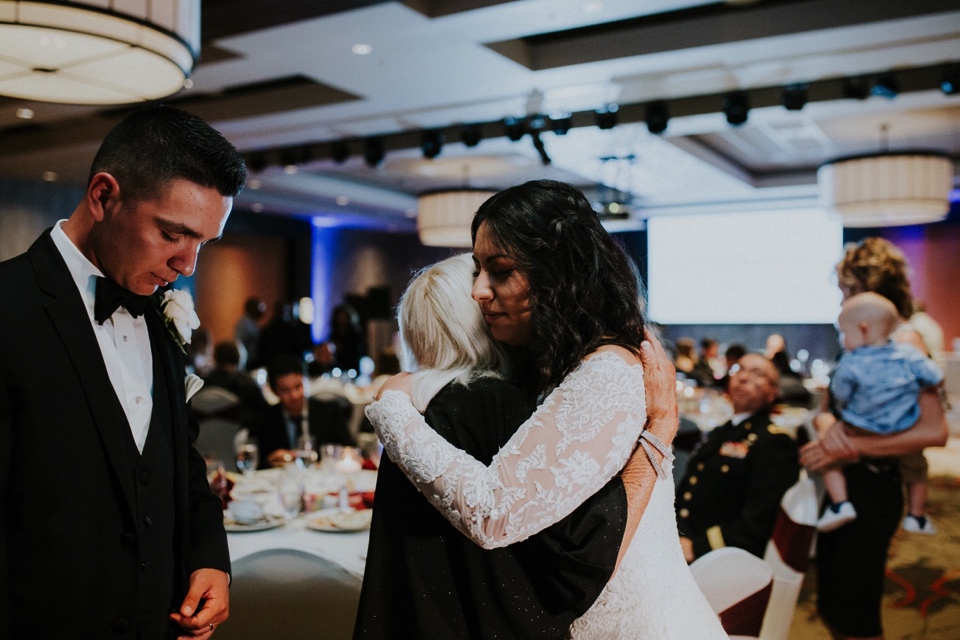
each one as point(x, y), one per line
point(876, 387)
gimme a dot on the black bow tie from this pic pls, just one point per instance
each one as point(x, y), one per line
point(110, 296)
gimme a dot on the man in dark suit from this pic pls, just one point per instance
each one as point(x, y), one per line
point(326, 421)
point(226, 374)
point(730, 493)
point(108, 528)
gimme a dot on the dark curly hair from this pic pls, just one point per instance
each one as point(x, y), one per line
point(584, 290)
point(877, 265)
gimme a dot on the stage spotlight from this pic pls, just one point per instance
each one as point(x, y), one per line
point(373, 151)
point(885, 86)
point(795, 96)
point(515, 128)
point(431, 143)
point(736, 106)
point(658, 115)
point(607, 117)
point(951, 80)
point(560, 123)
point(855, 88)
point(339, 152)
point(470, 135)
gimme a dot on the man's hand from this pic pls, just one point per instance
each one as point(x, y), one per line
point(280, 457)
point(399, 382)
point(210, 586)
point(686, 544)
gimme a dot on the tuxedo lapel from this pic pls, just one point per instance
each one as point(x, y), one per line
point(70, 319)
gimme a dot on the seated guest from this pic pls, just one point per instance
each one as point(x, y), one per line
point(227, 375)
point(296, 416)
point(732, 355)
point(703, 371)
point(686, 358)
point(731, 491)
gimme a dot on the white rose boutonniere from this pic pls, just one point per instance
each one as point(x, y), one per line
point(176, 308)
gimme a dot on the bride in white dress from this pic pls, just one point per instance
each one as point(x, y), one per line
point(538, 246)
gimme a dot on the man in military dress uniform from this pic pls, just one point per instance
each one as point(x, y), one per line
point(731, 491)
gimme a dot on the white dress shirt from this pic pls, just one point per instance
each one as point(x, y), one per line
point(124, 342)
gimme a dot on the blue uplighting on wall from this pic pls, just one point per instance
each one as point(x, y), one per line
point(323, 254)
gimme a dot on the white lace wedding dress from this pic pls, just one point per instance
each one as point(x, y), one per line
point(576, 441)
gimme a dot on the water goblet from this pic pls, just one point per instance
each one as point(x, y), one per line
point(248, 458)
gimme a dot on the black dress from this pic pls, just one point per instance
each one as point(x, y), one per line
point(426, 580)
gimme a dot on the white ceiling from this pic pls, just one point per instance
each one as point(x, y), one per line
point(428, 72)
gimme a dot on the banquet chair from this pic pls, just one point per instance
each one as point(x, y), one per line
point(737, 585)
point(285, 594)
point(788, 554)
point(217, 411)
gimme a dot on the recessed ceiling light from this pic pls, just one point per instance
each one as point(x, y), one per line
point(24, 113)
point(50, 176)
point(361, 49)
point(343, 201)
point(593, 6)
point(188, 84)
point(291, 169)
point(256, 207)
point(253, 184)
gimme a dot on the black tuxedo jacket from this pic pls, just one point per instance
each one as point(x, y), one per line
point(327, 423)
point(69, 548)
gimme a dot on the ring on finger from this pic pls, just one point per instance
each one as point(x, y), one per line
point(211, 626)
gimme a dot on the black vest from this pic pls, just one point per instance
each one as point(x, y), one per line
point(155, 516)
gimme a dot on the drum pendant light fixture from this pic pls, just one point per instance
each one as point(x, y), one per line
point(887, 189)
point(97, 52)
point(444, 217)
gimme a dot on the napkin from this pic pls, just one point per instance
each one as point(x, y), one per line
point(192, 384)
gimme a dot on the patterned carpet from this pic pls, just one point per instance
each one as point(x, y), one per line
point(922, 594)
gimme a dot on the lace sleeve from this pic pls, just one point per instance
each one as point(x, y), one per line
point(578, 439)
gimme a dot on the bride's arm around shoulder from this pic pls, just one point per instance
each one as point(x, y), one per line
point(576, 441)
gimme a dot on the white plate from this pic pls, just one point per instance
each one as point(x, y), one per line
point(269, 523)
point(337, 521)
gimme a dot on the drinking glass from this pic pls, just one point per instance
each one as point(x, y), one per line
point(306, 453)
point(248, 458)
point(290, 491)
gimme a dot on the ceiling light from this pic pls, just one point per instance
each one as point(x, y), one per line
point(256, 207)
point(736, 106)
point(658, 115)
point(431, 143)
point(94, 52)
point(951, 80)
point(188, 84)
point(343, 201)
point(444, 217)
point(515, 128)
point(855, 88)
point(373, 151)
point(885, 86)
point(795, 96)
point(25, 114)
point(607, 117)
point(361, 49)
point(887, 189)
point(50, 176)
point(253, 184)
point(291, 169)
point(470, 134)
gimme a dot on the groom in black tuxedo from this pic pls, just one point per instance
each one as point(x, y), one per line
point(108, 528)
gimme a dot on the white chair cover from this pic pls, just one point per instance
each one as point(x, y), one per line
point(788, 554)
point(737, 585)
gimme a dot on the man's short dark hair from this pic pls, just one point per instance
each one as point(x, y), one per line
point(282, 366)
point(735, 351)
point(226, 352)
point(153, 146)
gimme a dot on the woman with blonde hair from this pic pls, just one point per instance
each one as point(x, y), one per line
point(852, 559)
